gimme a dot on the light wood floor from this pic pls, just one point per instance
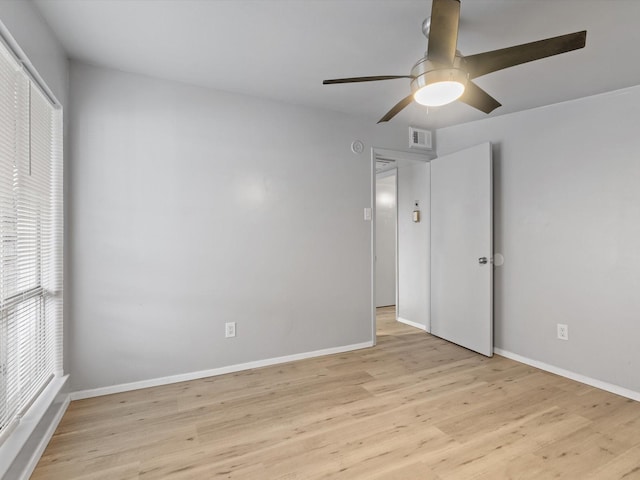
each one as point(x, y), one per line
point(412, 408)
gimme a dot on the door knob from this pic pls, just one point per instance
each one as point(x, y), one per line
point(482, 260)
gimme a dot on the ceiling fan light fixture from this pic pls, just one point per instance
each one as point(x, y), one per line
point(439, 93)
point(433, 86)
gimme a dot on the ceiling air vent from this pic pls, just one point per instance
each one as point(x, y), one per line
point(419, 138)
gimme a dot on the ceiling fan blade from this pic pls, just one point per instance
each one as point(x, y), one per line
point(443, 34)
point(477, 98)
point(487, 62)
point(363, 79)
point(397, 109)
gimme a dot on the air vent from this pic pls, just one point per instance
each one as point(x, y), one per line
point(419, 138)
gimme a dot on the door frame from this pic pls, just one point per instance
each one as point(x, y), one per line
point(398, 156)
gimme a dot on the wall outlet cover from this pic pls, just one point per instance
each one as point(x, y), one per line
point(230, 329)
point(563, 332)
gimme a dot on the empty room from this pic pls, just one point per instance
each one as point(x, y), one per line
point(319, 239)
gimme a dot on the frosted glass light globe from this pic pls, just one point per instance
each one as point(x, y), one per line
point(439, 93)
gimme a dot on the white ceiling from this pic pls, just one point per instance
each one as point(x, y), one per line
point(283, 49)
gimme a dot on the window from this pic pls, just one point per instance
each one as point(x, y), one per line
point(30, 241)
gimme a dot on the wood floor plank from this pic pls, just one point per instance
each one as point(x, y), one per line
point(417, 470)
point(622, 467)
point(413, 407)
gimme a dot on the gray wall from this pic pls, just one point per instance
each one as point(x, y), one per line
point(567, 219)
point(192, 208)
point(413, 243)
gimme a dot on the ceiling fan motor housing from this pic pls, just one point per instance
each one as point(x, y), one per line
point(425, 72)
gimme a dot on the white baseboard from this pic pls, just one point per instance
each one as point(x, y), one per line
point(609, 387)
point(155, 382)
point(412, 324)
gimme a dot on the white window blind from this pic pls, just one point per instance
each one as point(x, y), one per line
point(30, 242)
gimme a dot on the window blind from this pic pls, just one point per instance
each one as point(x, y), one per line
point(30, 242)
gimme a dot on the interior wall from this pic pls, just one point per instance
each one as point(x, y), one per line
point(413, 244)
point(386, 226)
point(192, 208)
point(567, 219)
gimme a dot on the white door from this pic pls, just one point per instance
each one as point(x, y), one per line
point(462, 248)
point(386, 222)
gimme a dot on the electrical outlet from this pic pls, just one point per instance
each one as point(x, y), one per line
point(230, 329)
point(563, 332)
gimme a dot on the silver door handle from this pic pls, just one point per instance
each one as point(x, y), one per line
point(482, 260)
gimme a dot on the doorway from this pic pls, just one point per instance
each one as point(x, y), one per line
point(443, 282)
point(399, 267)
point(386, 238)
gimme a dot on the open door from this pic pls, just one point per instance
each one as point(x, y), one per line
point(462, 248)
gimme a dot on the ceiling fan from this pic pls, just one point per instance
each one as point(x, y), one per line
point(444, 75)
